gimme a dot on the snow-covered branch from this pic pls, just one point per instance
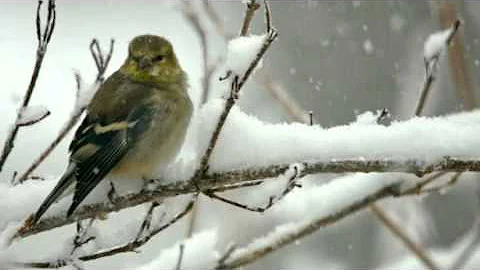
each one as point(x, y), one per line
point(223, 180)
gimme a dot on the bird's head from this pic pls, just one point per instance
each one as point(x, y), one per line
point(151, 59)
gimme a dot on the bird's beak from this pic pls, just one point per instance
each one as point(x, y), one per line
point(144, 63)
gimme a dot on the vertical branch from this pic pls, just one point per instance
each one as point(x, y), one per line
point(43, 38)
point(236, 86)
point(194, 20)
point(252, 6)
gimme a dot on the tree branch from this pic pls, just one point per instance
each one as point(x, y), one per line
point(233, 179)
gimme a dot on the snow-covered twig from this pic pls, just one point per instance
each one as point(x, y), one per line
point(31, 115)
point(83, 95)
point(272, 200)
point(43, 38)
point(222, 179)
point(434, 46)
point(236, 86)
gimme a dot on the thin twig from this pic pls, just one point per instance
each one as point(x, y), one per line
point(268, 15)
point(34, 121)
point(213, 15)
point(180, 257)
point(403, 235)
point(43, 41)
point(272, 200)
point(194, 20)
point(81, 238)
point(99, 58)
point(252, 6)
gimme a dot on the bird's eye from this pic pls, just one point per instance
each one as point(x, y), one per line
point(158, 58)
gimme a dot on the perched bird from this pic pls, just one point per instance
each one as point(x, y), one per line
point(135, 122)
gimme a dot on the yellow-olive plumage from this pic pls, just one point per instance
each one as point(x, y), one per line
point(135, 123)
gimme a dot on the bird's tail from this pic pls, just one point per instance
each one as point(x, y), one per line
point(64, 183)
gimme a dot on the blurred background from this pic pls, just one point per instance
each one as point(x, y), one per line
point(334, 58)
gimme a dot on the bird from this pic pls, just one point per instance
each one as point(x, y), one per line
point(136, 121)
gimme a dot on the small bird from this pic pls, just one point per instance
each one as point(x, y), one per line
point(135, 123)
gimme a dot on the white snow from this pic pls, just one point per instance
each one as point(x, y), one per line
point(84, 96)
point(199, 253)
point(436, 43)
point(368, 47)
point(247, 142)
point(242, 51)
point(31, 114)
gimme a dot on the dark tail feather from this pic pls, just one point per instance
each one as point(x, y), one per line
point(54, 195)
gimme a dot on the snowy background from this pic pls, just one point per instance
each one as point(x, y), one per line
point(337, 59)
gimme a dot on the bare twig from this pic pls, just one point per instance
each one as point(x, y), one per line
point(268, 15)
point(43, 37)
point(212, 14)
point(81, 238)
point(403, 235)
point(431, 66)
point(101, 62)
point(291, 184)
point(194, 20)
point(147, 221)
point(225, 179)
point(180, 257)
point(252, 6)
point(295, 112)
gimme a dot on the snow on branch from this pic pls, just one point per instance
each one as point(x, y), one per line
point(417, 146)
point(433, 48)
point(222, 180)
point(31, 115)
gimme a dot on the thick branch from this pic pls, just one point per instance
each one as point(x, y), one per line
point(232, 179)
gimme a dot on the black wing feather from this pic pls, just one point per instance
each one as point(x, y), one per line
point(113, 145)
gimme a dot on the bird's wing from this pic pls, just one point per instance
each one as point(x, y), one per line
point(98, 147)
